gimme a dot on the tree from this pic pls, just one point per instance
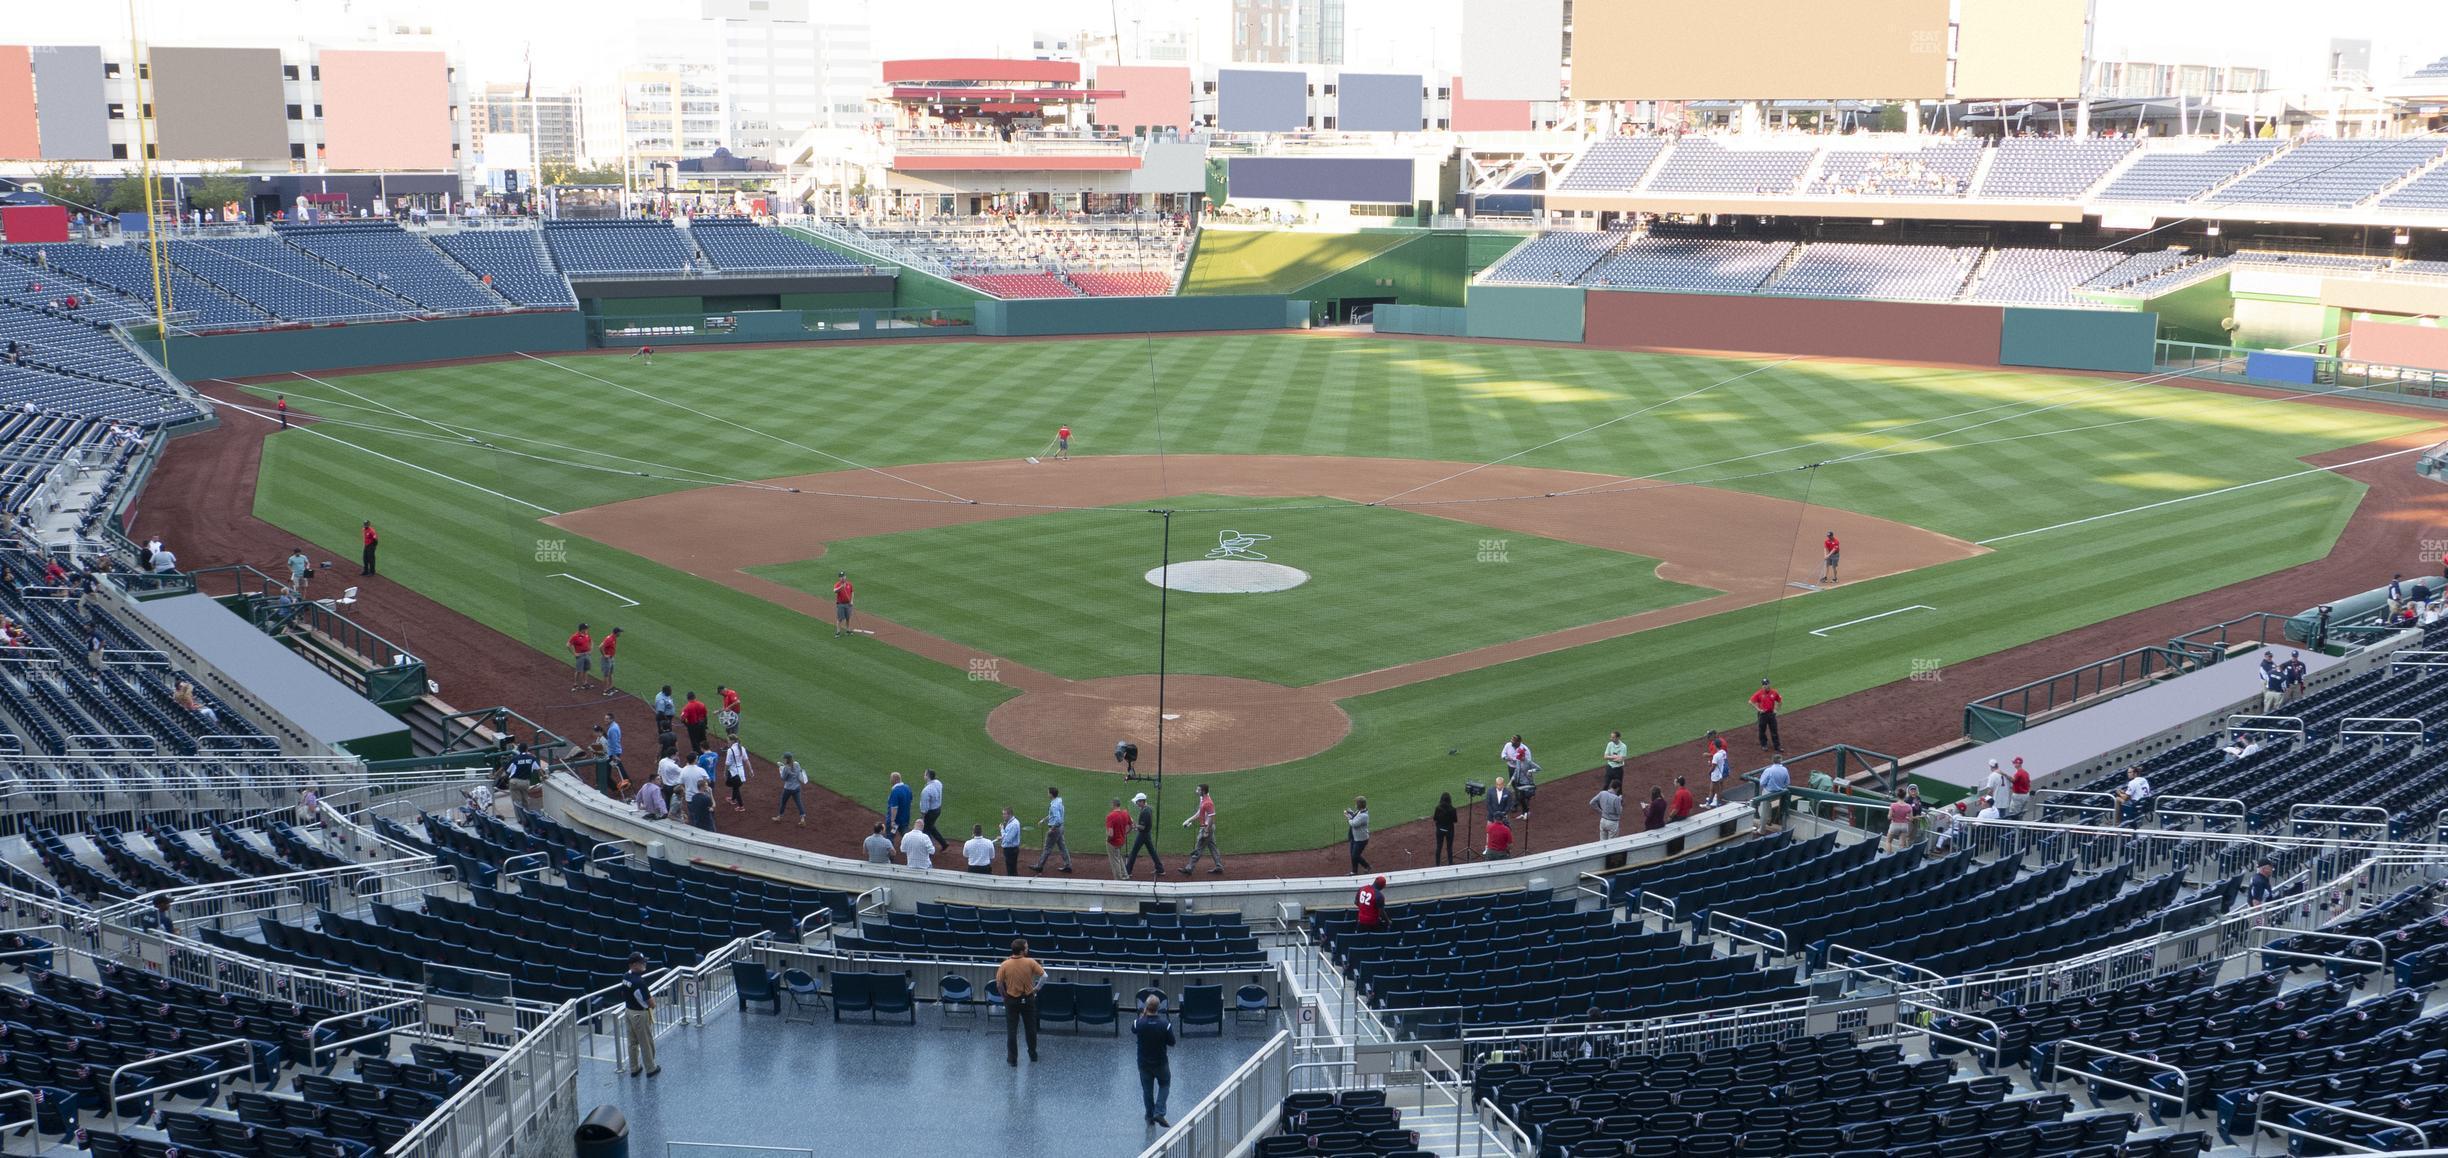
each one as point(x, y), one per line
point(1892, 118)
point(214, 190)
point(562, 173)
point(70, 185)
point(127, 195)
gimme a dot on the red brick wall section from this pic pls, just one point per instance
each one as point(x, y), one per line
point(1910, 331)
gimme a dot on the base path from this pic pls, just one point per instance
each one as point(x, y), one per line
point(1742, 545)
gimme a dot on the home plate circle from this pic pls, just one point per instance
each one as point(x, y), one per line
point(1227, 577)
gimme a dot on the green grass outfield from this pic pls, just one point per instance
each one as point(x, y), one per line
point(1070, 597)
point(1972, 454)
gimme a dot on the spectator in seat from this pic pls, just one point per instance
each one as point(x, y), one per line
point(1370, 904)
point(1989, 809)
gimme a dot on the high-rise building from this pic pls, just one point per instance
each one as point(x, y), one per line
point(1287, 31)
point(747, 75)
point(554, 119)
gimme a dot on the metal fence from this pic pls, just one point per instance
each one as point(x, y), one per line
point(2227, 364)
point(1247, 1101)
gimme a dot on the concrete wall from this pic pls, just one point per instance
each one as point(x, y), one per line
point(1042, 316)
point(1254, 899)
point(2079, 340)
point(198, 356)
point(1772, 325)
point(1526, 312)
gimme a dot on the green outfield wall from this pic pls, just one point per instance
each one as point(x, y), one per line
point(1038, 317)
point(1435, 321)
point(1534, 313)
point(195, 357)
point(2079, 340)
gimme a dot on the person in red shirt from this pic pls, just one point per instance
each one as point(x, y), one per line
point(1117, 830)
point(372, 541)
point(1827, 565)
point(1682, 804)
point(1765, 701)
point(1062, 442)
point(841, 603)
point(280, 402)
point(611, 643)
point(1499, 843)
point(2018, 790)
point(646, 352)
point(730, 710)
point(582, 657)
point(1371, 904)
point(693, 718)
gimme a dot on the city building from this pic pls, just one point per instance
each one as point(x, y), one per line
point(554, 121)
point(749, 76)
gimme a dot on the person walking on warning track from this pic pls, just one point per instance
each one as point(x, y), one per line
point(582, 657)
point(1765, 702)
point(1062, 443)
point(372, 541)
point(841, 603)
point(1827, 565)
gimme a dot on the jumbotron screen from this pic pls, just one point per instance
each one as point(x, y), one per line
point(1759, 50)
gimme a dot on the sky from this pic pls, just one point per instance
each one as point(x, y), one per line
point(575, 42)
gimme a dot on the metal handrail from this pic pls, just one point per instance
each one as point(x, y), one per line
point(543, 865)
point(2347, 726)
point(1937, 1009)
point(2379, 946)
point(315, 1053)
point(246, 1050)
point(2244, 722)
point(2261, 1121)
point(33, 1114)
point(2182, 1083)
point(2297, 816)
point(1782, 948)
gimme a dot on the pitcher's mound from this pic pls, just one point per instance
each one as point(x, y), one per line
point(1227, 577)
point(1213, 723)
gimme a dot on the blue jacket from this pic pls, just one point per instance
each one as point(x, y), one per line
point(1155, 1036)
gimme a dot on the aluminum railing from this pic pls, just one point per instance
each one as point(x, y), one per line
point(2144, 1092)
point(1741, 1025)
point(1243, 1103)
point(2261, 1119)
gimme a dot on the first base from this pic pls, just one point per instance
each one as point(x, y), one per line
point(1032, 462)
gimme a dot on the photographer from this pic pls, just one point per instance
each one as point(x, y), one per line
point(1445, 818)
point(1356, 819)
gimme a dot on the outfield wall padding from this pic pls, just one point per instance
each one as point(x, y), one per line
point(2079, 340)
point(1436, 321)
point(1032, 317)
point(1534, 313)
point(195, 357)
point(1833, 328)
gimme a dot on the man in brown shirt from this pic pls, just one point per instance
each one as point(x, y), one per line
point(1018, 977)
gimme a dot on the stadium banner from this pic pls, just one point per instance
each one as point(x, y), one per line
point(1826, 327)
point(1434, 321)
point(386, 110)
point(2019, 48)
point(1153, 97)
point(73, 116)
point(1759, 50)
point(1255, 100)
point(1378, 102)
point(1534, 313)
point(2126, 342)
point(1513, 50)
point(2398, 344)
point(19, 140)
point(1375, 180)
point(1035, 317)
point(219, 104)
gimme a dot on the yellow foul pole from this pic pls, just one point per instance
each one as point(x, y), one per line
point(152, 189)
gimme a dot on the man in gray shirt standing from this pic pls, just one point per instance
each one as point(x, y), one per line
point(1054, 831)
point(1608, 804)
point(879, 846)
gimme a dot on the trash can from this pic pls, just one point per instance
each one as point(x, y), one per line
point(604, 1134)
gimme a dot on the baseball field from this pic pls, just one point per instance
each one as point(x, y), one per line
point(1495, 538)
